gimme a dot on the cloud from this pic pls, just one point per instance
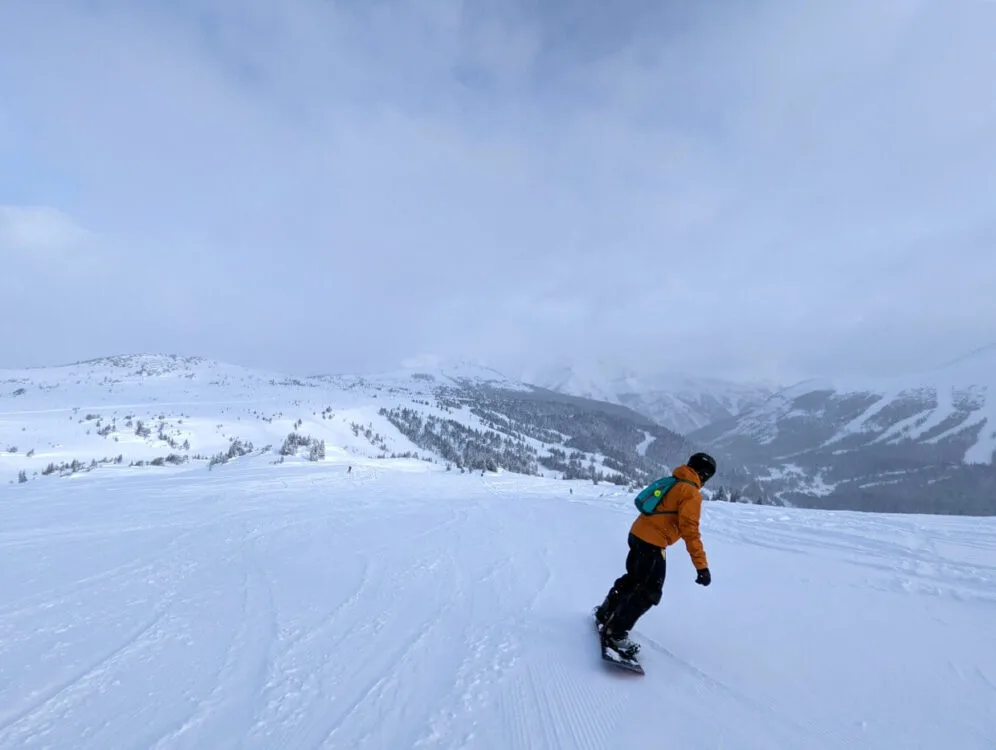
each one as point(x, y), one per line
point(765, 188)
point(39, 229)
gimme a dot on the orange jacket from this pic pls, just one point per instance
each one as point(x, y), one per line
point(681, 507)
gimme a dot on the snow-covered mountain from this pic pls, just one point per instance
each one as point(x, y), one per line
point(920, 442)
point(682, 403)
point(163, 409)
point(300, 562)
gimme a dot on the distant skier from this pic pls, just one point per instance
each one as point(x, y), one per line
point(640, 587)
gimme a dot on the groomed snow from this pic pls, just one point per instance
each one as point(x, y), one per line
point(399, 606)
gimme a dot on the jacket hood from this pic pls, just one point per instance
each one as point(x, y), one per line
point(688, 474)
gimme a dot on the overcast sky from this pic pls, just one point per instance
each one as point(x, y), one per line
point(738, 188)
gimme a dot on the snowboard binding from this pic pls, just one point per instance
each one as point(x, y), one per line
point(624, 658)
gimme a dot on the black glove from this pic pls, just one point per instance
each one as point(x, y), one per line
point(703, 578)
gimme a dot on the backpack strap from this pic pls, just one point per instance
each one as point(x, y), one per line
point(641, 498)
point(675, 511)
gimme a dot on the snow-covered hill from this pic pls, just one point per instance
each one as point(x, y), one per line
point(164, 409)
point(681, 403)
point(397, 605)
point(922, 442)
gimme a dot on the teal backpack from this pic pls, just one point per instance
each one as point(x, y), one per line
point(650, 497)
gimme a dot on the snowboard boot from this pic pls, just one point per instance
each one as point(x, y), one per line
point(621, 644)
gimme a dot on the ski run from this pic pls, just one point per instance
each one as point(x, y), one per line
point(398, 605)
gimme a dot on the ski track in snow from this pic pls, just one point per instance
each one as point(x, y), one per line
point(301, 607)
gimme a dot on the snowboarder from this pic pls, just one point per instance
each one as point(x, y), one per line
point(640, 587)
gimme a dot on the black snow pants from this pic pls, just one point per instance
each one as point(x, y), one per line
point(637, 590)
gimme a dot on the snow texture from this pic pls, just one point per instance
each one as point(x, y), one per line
point(397, 605)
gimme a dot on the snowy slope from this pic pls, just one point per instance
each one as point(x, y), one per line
point(154, 408)
point(680, 402)
point(908, 432)
point(450, 371)
point(400, 606)
point(59, 413)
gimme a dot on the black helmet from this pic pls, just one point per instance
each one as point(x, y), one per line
point(702, 464)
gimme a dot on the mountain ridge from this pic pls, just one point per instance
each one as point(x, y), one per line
point(921, 442)
point(679, 401)
point(158, 407)
point(865, 444)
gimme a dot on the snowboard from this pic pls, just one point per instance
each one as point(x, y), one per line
point(615, 658)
